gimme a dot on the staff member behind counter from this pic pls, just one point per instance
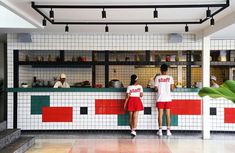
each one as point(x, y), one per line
point(213, 82)
point(62, 83)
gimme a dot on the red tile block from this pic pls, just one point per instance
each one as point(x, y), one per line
point(229, 115)
point(109, 106)
point(57, 114)
point(186, 107)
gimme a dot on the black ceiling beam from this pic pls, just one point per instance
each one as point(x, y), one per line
point(216, 12)
point(42, 14)
point(125, 23)
point(129, 6)
point(220, 6)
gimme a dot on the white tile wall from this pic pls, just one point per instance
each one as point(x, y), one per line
point(26, 121)
point(82, 42)
point(48, 41)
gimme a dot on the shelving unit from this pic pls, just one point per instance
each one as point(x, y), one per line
point(109, 58)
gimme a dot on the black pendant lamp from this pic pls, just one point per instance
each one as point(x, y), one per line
point(155, 13)
point(106, 28)
point(212, 21)
point(44, 22)
point(146, 28)
point(208, 13)
point(186, 28)
point(103, 13)
point(66, 28)
point(51, 14)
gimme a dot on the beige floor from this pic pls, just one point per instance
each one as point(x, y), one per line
point(132, 146)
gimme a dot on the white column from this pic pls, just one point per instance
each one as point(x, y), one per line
point(180, 69)
point(206, 83)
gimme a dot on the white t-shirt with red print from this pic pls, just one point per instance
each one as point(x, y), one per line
point(163, 84)
point(134, 90)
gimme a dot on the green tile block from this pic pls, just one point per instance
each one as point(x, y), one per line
point(38, 102)
point(123, 120)
point(174, 120)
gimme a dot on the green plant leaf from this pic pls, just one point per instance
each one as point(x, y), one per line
point(226, 90)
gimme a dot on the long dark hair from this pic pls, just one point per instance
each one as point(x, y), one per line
point(133, 79)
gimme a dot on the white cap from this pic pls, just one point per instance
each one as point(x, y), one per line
point(213, 77)
point(62, 76)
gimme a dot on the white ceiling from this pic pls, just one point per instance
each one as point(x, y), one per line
point(225, 33)
point(11, 18)
point(24, 10)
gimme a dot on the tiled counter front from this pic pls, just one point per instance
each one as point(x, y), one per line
point(75, 109)
point(83, 109)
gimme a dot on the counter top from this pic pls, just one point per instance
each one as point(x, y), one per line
point(90, 90)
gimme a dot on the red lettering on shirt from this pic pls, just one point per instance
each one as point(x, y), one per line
point(135, 90)
point(164, 80)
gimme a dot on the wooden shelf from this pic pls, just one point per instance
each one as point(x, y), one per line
point(229, 64)
point(47, 64)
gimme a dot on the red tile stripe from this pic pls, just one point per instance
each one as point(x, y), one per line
point(186, 107)
point(109, 106)
point(229, 115)
point(179, 107)
point(57, 114)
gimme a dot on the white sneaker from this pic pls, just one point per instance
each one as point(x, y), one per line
point(168, 133)
point(133, 133)
point(159, 133)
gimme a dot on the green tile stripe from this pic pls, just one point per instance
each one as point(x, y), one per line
point(123, 120)
point(89, 90)
point(174, 120)
point(38, 102)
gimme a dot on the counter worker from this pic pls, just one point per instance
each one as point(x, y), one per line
point(213, 82)
point(62, 83)
point(164, 85)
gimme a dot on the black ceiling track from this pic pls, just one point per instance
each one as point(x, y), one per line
point(220, 7)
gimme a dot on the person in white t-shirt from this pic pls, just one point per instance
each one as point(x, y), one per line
point(62, 82)
point(164, 85)
point(213, 82)
point(133, 102)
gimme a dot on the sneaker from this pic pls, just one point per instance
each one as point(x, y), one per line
point(168, 133)
point(159, 133)
point(133, 133)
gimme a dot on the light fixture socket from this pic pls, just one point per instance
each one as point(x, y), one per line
point(51, 14)
point(212, 21)
point(106, 28)
point(155, 13)
point(208, 13)
point(186, 28)
point(146, 28)
point(66, 28)
point(103, 13)
point(44, 22)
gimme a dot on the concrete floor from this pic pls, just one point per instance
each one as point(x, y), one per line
point(122, 142)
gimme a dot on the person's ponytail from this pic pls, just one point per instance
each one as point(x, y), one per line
point(133, 79)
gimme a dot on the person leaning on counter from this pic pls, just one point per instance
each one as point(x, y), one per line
point(62, 82)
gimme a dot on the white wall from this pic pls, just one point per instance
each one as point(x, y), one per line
point(88, 42)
